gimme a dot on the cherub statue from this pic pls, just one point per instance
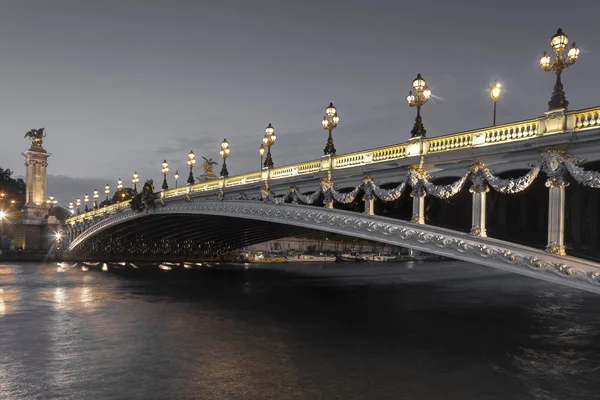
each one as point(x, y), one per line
point(36, 136)
point(208, 165)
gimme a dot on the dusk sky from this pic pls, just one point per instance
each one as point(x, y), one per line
point(122, 85)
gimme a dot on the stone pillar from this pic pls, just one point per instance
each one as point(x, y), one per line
point(478, 213)
point(479, 190)
point(556, 215)
point(418, 216)
point(369, 204)
point(30, 232)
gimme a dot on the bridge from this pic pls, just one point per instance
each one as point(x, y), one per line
point(387, 194)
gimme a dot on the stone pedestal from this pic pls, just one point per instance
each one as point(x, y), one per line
point(207, 178)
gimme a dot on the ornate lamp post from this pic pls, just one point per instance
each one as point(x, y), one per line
point(135, 180)
point(51, 202)
point(191, 162)
point(559, 43)
point(176, 178)
point(495, 92)
point(261, 151)
point(224, 153)
point(95, 199)
point(422, 95)
point(119, 185)
point(107, 192)
point(269, 140)
point(78, 203)
point(165, 171)
point(330, 122)
point(86, 200)
point(71, 208)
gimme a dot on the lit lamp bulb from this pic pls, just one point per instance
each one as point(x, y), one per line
point(426, 93)
point(559, 41)
point(119, 184)
point(496, 90)
point(545, 61)
point(410, 98)
point(573, 53)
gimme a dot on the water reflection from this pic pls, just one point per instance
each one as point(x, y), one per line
point(414, 330)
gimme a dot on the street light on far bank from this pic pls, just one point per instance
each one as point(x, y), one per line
point(495, 92)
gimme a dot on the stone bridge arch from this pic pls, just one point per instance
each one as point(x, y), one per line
point(262, 220)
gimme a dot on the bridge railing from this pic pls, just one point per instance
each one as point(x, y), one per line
point(587, 119)
point(579, 120)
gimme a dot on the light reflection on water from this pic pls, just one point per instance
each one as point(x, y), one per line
point(436, 330)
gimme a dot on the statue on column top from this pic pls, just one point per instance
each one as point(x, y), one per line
point(36, 136)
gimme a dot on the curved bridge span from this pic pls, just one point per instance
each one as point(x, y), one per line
point(243, 222)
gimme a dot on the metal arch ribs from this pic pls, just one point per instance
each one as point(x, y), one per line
point(491, 252)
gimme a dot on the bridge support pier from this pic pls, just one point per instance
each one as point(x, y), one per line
point(556, 216)
point(478, 213)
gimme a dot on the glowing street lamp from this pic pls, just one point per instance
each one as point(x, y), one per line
point(86, 200)
point(119, 185)
point(330, 122)
point(165, 171)
point(269, 140)
point(224, 153)
point(51, 202)
point(261, 151)
point(95, 199)
point(495, 92)
point(422, 95)
point(559, 43)
point(71, 208)
point(135, 180)
point(78, 203)
point(107, 192)
point(191, 162)
point(176, 178)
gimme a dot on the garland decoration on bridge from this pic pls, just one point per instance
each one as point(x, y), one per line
point(586, 178)
point(511, 186)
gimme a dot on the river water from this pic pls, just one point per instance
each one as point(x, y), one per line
point(425, 330)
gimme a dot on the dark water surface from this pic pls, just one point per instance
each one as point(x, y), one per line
point(430, 330)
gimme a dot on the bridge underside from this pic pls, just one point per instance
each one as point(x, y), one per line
point(183, 236)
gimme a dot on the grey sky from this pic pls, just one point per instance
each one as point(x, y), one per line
point(121, 85)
